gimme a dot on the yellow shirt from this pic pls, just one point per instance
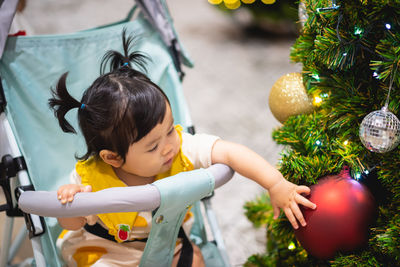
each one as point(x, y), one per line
point(100, 176)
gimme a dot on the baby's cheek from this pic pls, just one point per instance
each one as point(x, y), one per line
point(177, 143)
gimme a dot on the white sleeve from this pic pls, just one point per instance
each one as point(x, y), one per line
point(198, 148)
point(74, 177)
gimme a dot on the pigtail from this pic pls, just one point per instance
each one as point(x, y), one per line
point(62, 102)
point(116, 60)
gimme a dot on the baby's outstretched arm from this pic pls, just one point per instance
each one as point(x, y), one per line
point(284, 194)
point(66, 194)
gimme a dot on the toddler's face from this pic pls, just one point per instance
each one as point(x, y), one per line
point(153, 154)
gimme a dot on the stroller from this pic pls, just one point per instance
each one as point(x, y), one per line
point(37, 157)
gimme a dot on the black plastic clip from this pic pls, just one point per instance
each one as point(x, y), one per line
point(209, 196)
point(31, 225)
point(176, 59)
point(9, 167)
point(3, 101)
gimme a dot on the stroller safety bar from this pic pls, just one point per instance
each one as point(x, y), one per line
point(117, 199)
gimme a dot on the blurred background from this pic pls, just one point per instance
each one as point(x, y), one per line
point(238, 55)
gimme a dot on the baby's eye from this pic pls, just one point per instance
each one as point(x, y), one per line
point(171, 131)
point(153, 149)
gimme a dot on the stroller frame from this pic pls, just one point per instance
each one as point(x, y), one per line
point(19, 178)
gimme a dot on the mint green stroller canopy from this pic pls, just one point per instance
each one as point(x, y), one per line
point(30, 66)
point(34, 64)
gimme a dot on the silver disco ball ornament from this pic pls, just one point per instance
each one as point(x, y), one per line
point(380, 131)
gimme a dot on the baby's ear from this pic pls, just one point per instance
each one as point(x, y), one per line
point(111, 158)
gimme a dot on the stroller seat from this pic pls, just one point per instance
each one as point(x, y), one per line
point(30, 65)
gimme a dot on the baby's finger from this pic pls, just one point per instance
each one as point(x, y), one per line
point(63, 198)
point(291, 218)
point(302, 189)
point(305, 202)
point(71, 194)
point(60, 193)
point(297, 213)
point(276, 212)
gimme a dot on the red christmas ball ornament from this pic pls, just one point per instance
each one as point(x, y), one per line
point(341, 221)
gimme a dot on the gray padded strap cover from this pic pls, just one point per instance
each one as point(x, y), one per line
point(117, 199)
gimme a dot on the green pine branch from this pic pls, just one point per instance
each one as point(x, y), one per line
point(349, 57)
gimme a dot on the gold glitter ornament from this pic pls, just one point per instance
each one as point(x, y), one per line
point(232, 4)
point(268, 2)
point(288, 97)
point(215, 2)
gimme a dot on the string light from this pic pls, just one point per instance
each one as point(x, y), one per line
point(318, 143)
point(332, 7)
point(291, 246)
point(346, 142)
point(317, 101)
point(358, 31)
point(315, 76)
point(388, 26)
point(358, 176)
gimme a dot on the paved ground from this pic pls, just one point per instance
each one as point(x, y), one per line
point(227, 91)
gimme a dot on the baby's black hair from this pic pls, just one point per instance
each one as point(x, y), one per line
point(118, 109)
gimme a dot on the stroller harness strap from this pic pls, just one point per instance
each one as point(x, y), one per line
point(99, 231)
point(176, 199)
point(185, 259)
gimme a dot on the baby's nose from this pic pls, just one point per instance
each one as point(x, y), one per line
point(167, 149)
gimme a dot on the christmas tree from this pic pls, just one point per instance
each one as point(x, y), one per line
point(350, 53)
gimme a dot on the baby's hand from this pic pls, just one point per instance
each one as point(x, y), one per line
point(287, 196)
point(67, 192)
